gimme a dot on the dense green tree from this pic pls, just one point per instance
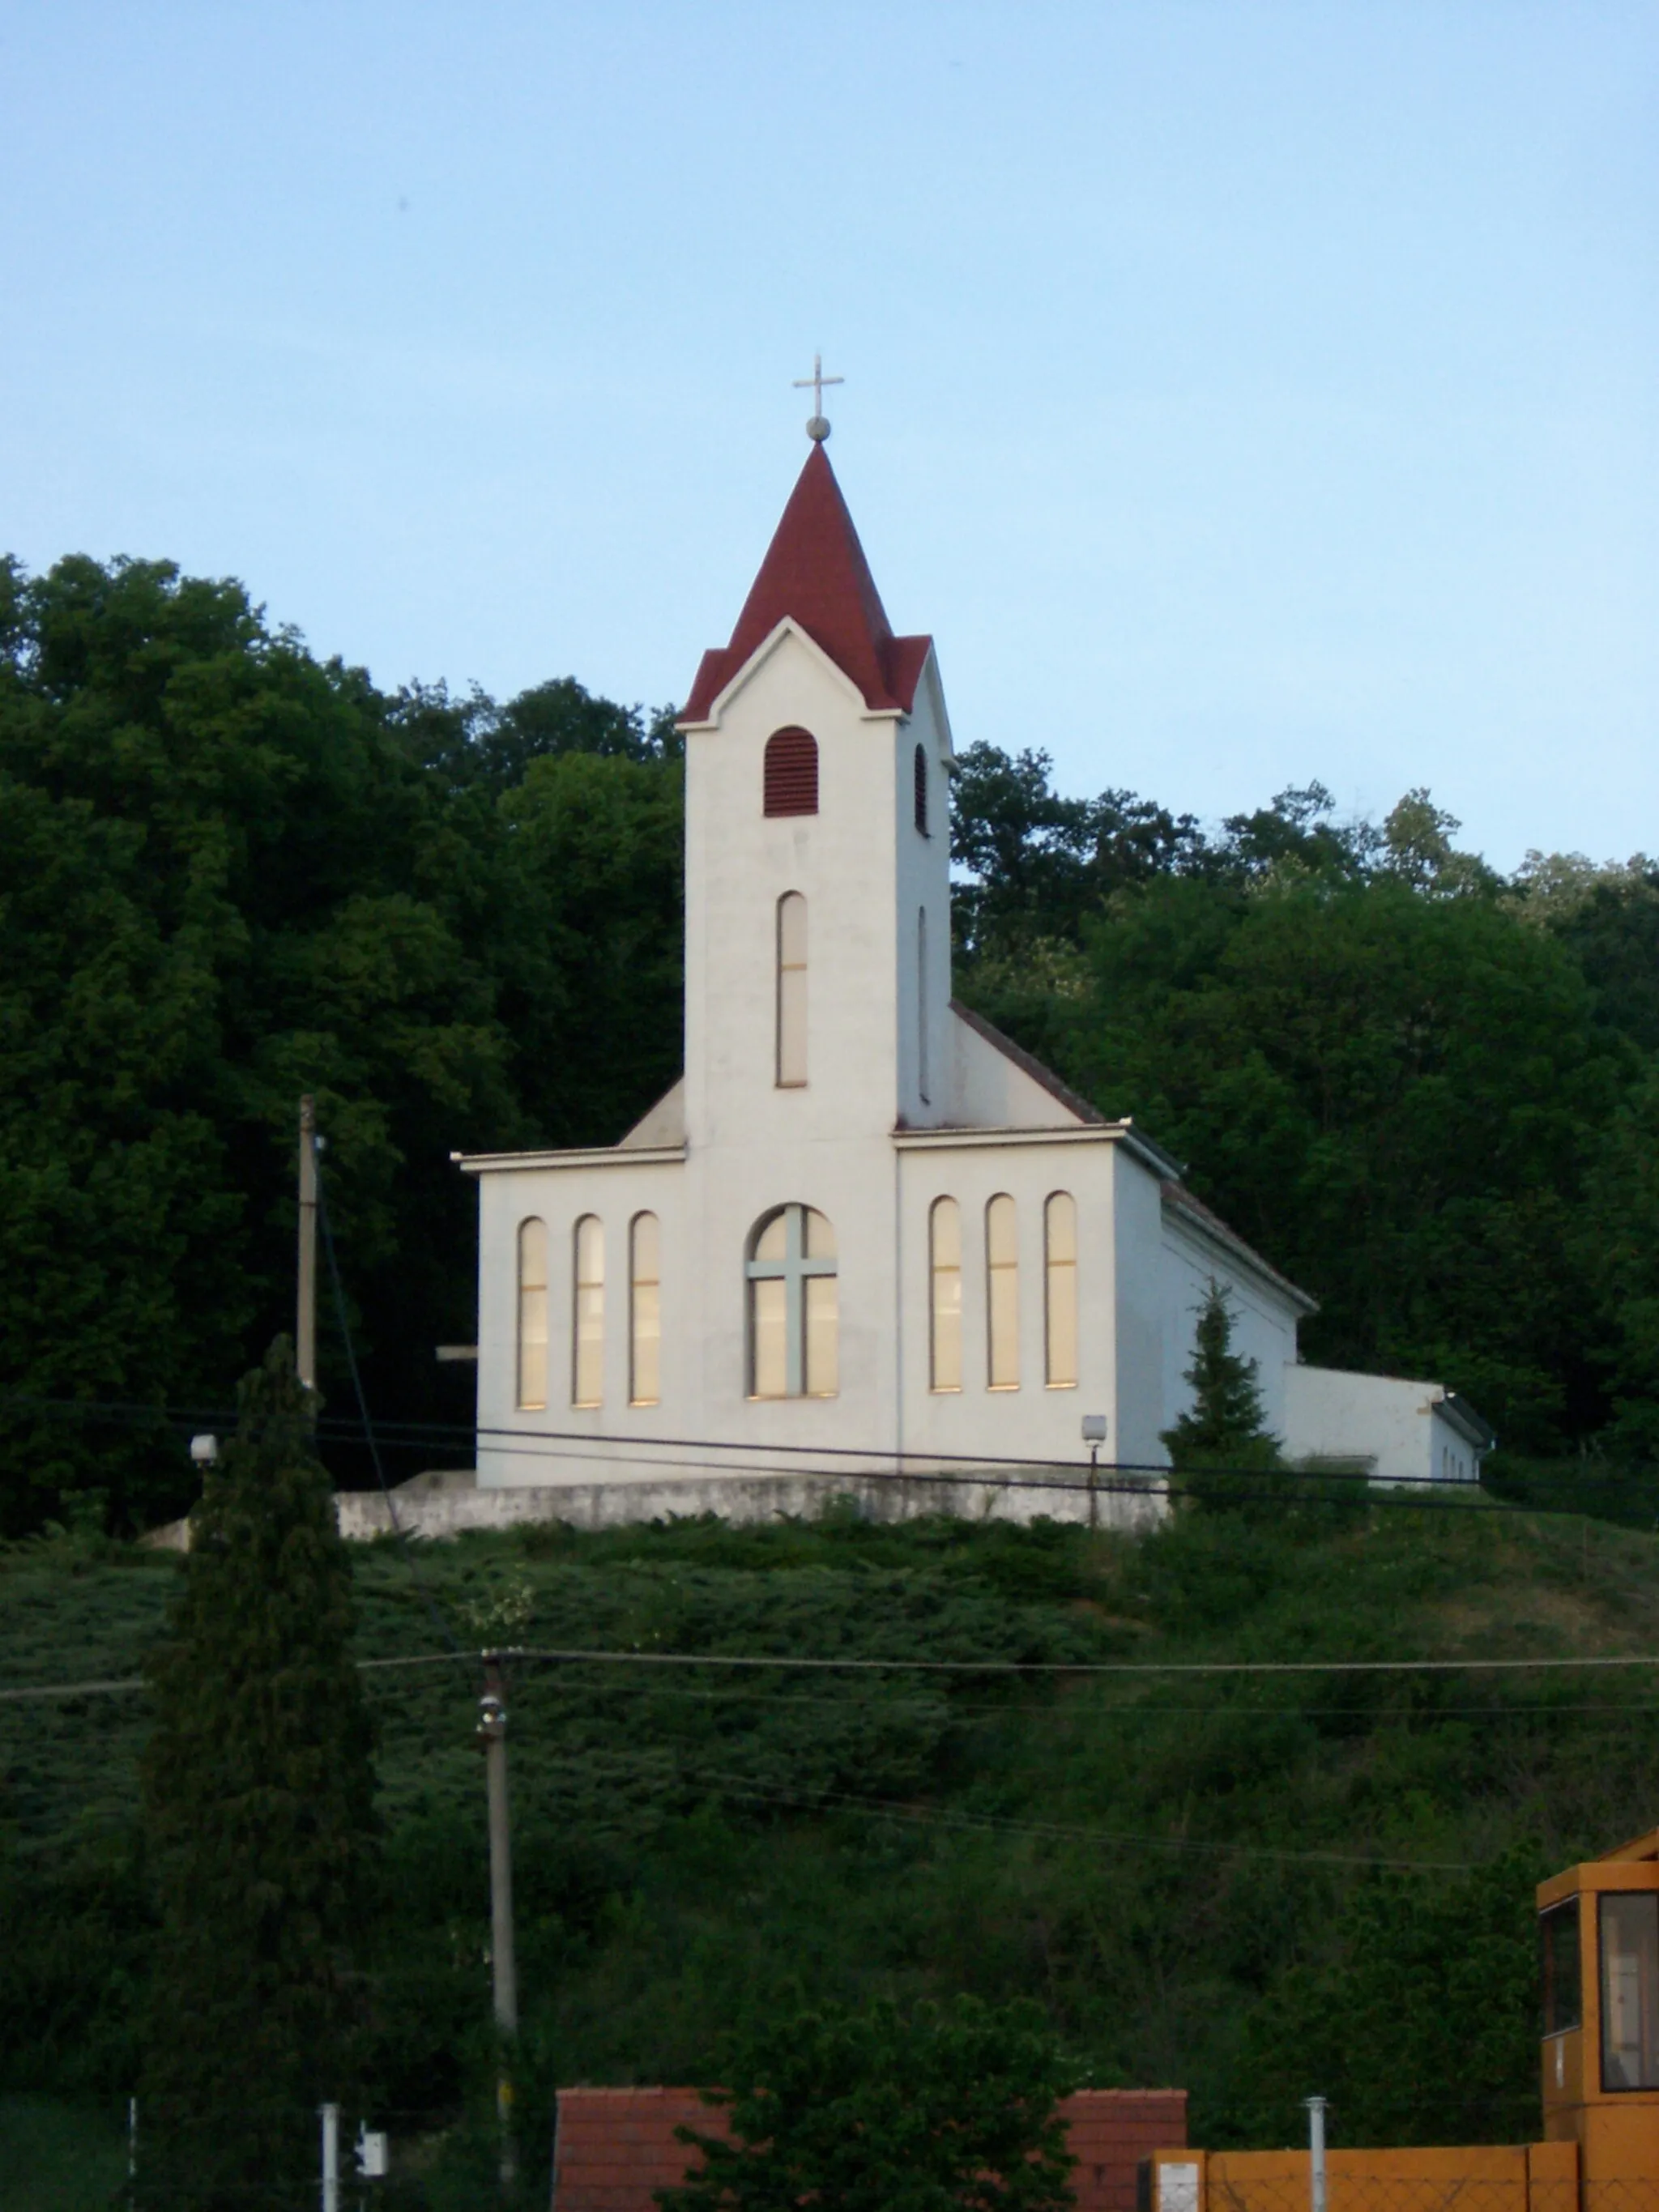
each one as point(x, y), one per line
point(259, 1792)
point(592, 971)
point(1620, 1234)
point(1038, 863)
point(1419, 2023)
point(230, 873)
point(938, 2109)
point(474, 744)
point(1397, 1097)
point(1608, 918)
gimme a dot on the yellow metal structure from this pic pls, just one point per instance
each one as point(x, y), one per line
point(1599, 1926)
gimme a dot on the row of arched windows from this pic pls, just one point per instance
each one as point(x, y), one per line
point(789, 776)
point(793, 1315)
point(1001, 1273)
point(587, 1313)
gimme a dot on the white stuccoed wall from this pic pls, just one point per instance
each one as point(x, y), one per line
point(1404, 1429)
point(860, 1143)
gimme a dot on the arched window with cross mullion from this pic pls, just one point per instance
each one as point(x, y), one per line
point(793, 1320)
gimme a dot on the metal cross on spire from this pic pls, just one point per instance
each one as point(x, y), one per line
point(818, 429)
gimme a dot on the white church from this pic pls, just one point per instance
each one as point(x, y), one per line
point(866, 1243)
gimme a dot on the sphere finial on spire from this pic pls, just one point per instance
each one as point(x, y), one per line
point(817, 427)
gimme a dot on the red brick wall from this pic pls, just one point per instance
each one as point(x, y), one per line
point(1111, 2130)
point(616, 2146)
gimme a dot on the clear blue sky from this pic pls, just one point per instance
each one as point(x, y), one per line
point(1241, 390)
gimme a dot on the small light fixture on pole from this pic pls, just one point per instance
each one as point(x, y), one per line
point(1094, 1434)
point(205, 1451)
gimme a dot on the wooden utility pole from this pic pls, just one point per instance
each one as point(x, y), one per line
point(305, 1329)
point(492, 1730)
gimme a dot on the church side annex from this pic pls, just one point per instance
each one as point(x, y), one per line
point(865, 1236)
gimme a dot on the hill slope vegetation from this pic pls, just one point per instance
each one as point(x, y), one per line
point(1256, 1885)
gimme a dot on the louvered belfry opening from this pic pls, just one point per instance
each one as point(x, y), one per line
point(791, 772)
point(921, 789)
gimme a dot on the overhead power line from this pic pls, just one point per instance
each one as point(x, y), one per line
point(512, 1654)
point(735, 1454)
point(1056, 1666)
point(70, 1690)
point(894, 1809)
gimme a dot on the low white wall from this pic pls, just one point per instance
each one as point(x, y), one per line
point(1391, 1422)
point(449, 1505)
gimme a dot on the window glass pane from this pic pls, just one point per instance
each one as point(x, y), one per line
point(532, 1349)
point(533, 1316)
point(1002, 1295)
point(532, 1255)
point(820, 1237)
point(1630, 1991)
point(946, 1238)
point(1061, 1226)
point(647, 1378)
point(1001, 1247)
point(647, 1246)
point(773, 1241)
point(791, 930)
point(587, 1364)
point(768, 1327)
point(922, 1083)
point(1560, 1931)
point(822, 1364)
point(1059, 1290)
point(645, 1330)
point(792, 988)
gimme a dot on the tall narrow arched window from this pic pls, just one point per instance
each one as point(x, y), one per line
point(923, 1072)
point(793, 1320)
point(588, 1314)
point(1001, 1294)
point(1059, 1291)
point(645, 1310)
point(791, 991)
point(533, 1316)
point(945, 1283)
point(921, 789)
point(789, 776)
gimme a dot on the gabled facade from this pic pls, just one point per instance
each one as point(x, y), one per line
point(864, 1232)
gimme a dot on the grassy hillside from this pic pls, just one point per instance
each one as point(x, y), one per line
point(1255, 1886)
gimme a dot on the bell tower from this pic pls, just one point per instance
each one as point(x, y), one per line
point(817, 853)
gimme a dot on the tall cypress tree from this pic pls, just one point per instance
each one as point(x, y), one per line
point(258, 1803)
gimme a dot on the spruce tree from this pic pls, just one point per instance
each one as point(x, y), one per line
point(259, 1805)
point(1222, 1440)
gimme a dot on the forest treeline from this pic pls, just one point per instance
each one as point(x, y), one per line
point(230, 873)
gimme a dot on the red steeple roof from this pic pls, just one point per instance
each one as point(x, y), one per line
point(815, 570)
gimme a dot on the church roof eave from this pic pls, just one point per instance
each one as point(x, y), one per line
point(731, 684)
point(578, 1155)
point(1075, 1103)
point(1196, 1217)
